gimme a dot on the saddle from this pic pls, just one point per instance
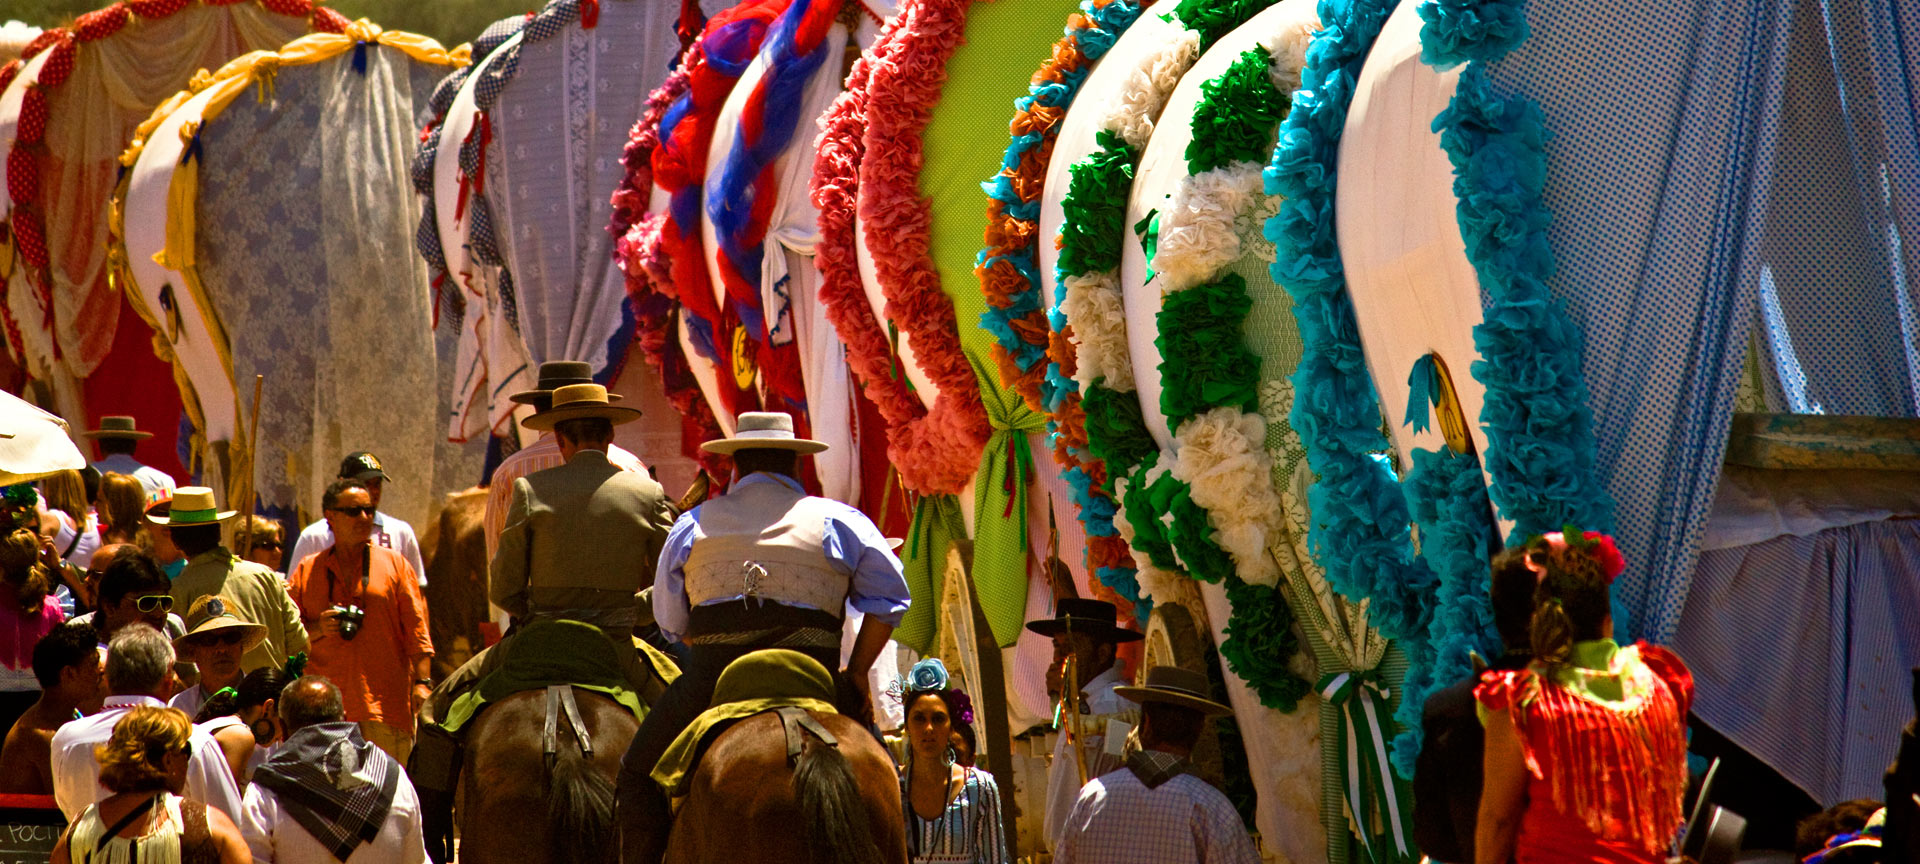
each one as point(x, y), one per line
point(786, 683)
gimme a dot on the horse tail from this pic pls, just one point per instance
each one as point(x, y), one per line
point(579, 810)
point(832, 812)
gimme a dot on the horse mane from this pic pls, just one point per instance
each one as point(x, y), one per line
point(831, 810)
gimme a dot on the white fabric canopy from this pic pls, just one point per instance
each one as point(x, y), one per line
point(33, 443)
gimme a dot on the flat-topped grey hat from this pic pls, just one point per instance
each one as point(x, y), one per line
point(764, 430)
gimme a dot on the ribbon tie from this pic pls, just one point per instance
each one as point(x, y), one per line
point(1371, 786)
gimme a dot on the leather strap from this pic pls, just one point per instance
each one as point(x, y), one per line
point(560, 699)
point(573, 716)
point(795, 720)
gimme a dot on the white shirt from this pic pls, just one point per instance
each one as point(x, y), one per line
point(155, 480)
point(387, 531)
point(76, 775)
point(189, 700)
point(275, 838)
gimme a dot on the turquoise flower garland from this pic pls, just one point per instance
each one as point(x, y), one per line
point(1054, 88)
point(1539, 426)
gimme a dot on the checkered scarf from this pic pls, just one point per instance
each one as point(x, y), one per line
point(335, 784)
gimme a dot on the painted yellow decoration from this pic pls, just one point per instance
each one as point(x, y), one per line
point(744, 371)
point(1453, 421)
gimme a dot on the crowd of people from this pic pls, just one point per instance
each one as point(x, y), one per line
point(169, 693)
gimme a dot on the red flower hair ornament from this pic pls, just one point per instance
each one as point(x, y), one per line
point(1599, 546)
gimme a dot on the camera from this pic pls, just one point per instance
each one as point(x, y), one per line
point(349, 618)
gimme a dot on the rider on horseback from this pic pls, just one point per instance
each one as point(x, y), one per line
point(763, 566)
point(580, 541)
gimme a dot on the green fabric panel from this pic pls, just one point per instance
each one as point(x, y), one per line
point(965, 139)
point(936, 524)
point(756, 683)
point(1000, 520)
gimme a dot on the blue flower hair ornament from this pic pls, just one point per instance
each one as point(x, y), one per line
point(930, 676)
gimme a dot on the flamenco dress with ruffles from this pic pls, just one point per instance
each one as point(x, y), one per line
point(1603, 738)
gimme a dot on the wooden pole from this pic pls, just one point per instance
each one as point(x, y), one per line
point(243, 539)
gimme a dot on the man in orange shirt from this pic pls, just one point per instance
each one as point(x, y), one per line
point(362, 604)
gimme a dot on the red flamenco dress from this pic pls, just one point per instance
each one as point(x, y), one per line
point(1604, 742)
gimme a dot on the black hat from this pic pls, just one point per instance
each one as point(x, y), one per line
point(1092, 617)
point(362, 466)
point(555, 374)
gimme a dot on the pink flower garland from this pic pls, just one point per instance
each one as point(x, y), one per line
point(936, 451)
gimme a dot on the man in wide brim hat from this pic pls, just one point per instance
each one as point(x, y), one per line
point(1174, 686)
point(579, 402)
point(214, 642)
point(763, 430)
point(1095, 618)
point(190, 505)
point(555, 374)
point(1084, 631)
point(117, 426)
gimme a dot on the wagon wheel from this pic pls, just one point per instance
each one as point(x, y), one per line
point(1176, 638)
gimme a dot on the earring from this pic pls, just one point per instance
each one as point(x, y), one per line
point(951, 756)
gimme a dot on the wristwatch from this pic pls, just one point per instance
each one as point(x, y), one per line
point(422, 682)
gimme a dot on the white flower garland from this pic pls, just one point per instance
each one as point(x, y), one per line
point(1221, 455)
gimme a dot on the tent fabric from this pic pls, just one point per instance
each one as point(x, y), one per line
point(1683, 201)
point(304, 247)
point(558, 123)
point(1762, 628)
point(114, 83)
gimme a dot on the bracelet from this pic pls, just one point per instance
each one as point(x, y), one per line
point(423, 682)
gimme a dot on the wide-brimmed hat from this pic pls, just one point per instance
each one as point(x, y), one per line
point(210, 614)
point(578, 401)
point(1175, 686)
point(1092, 617)
point(555, 374)
point(116, 427)
point(190, 505)
point(763, 430)
point(362, 466)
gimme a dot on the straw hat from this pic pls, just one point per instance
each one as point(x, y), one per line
point(209, 614)
point(116, 427)
point(190, 505)
point(763, 430)
point(578, 401)
point(1176, 686)
point(555, 374)
point(1092, 617)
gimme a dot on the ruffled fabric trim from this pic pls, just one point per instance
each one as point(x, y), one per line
point(1137, 106)
point(937, 453)
point(641, 256)
point(1222, 457)
point(1095, 301)
point(1198, 238)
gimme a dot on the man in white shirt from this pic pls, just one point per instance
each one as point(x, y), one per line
point(286, 820)
point(116, 439)
point(139, 667)
point(387, 531)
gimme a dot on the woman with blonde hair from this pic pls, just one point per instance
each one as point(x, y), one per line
point(1585, 748)
point(28, 611)
point(269, 542)
point(144, 765)
point(123, 509)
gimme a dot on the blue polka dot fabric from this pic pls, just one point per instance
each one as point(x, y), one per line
point(1704, 154)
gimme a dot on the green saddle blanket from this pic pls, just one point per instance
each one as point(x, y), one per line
point(547, 652)
point(758, 682)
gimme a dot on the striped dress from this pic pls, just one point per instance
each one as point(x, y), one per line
point(968, 832)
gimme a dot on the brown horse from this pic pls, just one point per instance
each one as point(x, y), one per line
point(456, 593)
point(833, 804)
point(508, 780)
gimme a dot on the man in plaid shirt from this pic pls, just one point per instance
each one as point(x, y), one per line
point(1156, 810)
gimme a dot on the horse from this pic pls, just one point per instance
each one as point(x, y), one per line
point(752, 798)
point(455, 546)
point(554, 751)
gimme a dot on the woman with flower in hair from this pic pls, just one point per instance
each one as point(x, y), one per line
point(28, 611)
point(1585, 747)
point(953, 810)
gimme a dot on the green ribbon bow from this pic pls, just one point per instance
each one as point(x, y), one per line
point(1000, 507)
point(1370, 784)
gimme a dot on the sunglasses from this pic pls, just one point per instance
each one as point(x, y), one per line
point(353, 511)
point(267, 544)
point(154, 602)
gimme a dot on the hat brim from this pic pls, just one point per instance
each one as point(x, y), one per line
point(364, 476)
point(1172, 697)
point(256, 633)
point(532, 397)
point(546, 420)
point(136, 434)
point(218, 518)
point(729, 446)
point(1108, 630)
